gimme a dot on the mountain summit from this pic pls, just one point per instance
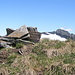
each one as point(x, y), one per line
point(59, 34)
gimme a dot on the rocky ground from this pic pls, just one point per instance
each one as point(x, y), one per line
point(43, 58)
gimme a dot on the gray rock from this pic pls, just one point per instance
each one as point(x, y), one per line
point(27, 35)
point(5, 39)
point(4, 45)
point(32, 29)
point(24, 41)
point(8, 40)
point(9, 31)
point(34, 37)
point(20, 51)
point(19, 32)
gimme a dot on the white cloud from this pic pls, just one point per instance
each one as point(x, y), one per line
point(66, 29)
point(53, 37)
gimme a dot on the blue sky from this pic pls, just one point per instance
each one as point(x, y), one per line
point(46, 15)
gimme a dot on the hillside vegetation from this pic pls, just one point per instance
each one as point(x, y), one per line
point(44, 58)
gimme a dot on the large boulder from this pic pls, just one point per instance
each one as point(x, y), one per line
point(18, 33)
point(34, 34)
point(34, 37)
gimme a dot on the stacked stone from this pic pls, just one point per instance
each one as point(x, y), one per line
point(27, 35)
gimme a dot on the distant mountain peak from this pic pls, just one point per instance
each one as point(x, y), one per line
point(59, 32)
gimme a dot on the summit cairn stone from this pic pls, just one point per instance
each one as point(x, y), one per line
point(18, 33)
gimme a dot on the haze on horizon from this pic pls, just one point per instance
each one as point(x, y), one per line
point(46, 15)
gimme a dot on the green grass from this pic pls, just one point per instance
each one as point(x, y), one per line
point(13, 71)
point(59, 45)
point(11, 58)
point(69, 58)
point(19, 45)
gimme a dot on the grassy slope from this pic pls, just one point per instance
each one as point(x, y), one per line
point(46, 58)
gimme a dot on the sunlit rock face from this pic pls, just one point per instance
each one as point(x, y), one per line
point(52, 37)
point(19, 32)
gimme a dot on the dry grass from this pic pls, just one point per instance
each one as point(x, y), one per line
point(44, 58)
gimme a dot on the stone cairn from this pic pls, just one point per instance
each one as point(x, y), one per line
point(27, 35)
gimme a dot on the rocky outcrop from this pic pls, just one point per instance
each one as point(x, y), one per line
point(27, 35)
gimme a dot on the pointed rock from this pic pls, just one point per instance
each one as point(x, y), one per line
point(22, 31)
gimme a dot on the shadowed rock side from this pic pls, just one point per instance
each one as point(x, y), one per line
point(34, 34)
point(34, 37)
point(9, 31)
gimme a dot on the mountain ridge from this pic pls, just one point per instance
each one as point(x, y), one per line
point(62, 33)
